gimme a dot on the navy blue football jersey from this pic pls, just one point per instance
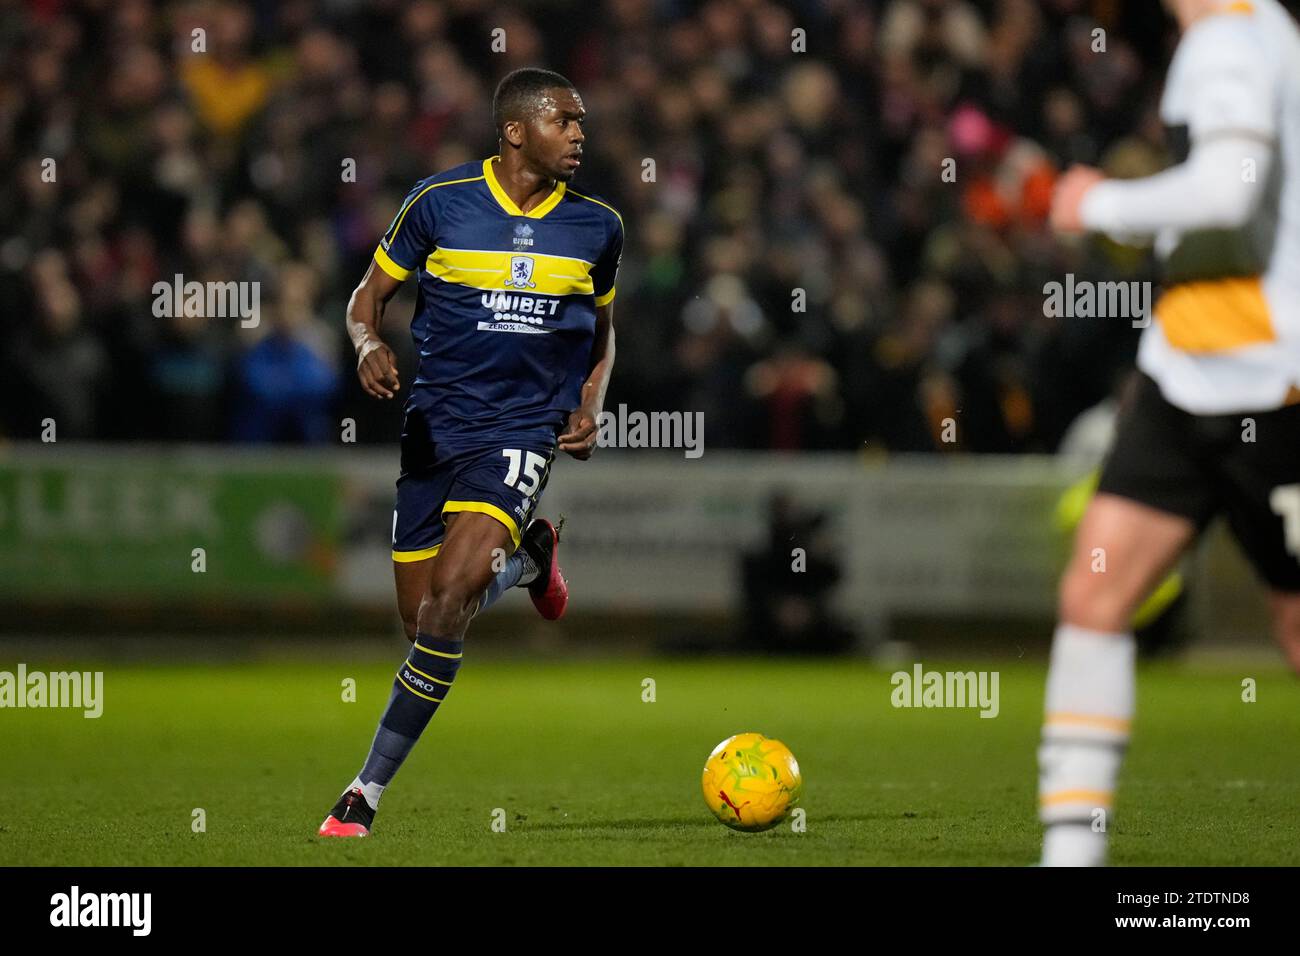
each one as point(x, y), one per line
point(506, 311)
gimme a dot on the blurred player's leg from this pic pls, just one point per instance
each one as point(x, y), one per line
point(1121, 552)
point(1285, 606)
point(1261, 479)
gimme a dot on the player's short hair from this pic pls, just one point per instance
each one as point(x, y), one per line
point(519, 92)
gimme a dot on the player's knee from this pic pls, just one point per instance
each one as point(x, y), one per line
point(447, 608)
point(1089, 598)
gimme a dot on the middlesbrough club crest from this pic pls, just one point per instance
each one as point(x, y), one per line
point(521, 272)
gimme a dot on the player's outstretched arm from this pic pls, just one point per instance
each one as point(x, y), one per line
point(580, 440)
point(376, 365)
point(1208, 191)
point(1229, 101)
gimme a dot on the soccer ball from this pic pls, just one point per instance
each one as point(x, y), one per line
point(751, 782)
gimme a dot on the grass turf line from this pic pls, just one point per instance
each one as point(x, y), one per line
point(588, 773)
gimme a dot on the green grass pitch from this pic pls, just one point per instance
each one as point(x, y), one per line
point(588, 773)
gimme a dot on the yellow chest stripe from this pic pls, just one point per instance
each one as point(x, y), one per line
point(1215, 315)
point(496, 271)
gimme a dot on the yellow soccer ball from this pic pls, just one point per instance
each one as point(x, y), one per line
point(751, 782)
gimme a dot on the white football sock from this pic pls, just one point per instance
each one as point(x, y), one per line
point(1073, 844)
point(531, 570)
point(371, 791)
point(1091, 688)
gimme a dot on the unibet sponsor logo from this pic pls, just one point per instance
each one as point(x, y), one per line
point(516, 313)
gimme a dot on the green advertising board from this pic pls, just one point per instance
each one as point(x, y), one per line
point(142, 525)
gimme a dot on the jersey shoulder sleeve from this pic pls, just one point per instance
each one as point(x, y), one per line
point(411, 235)
point(1228, 79)
point(605, 271)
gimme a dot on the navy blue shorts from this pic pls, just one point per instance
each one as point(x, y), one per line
point(505, 483)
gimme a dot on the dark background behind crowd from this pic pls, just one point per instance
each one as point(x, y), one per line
point(773, 171)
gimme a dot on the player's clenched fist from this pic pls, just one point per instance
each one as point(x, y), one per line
point(1068, 197)
point(377, 369)
point(580, 440)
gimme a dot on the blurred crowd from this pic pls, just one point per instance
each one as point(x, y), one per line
point(840, 242)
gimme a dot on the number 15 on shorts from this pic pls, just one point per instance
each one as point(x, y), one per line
point(532, 466)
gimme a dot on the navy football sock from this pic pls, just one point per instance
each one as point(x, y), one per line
point(519, 566)
point(422, 682)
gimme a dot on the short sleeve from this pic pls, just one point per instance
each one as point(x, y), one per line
point(1231, 88)
point(605, 270)
point(409, 239)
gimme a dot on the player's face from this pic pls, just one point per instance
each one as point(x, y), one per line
point(554, 140)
